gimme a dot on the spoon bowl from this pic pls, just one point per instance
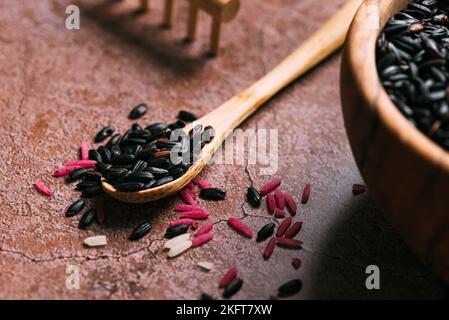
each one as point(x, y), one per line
point(167, 189)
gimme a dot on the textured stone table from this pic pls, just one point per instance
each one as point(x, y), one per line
point(59, 87)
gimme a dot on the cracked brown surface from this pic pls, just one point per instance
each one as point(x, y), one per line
point(60, 87)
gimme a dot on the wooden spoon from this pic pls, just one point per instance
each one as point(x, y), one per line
point(234, 111)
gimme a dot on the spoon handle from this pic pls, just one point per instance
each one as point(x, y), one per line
point(319, 46)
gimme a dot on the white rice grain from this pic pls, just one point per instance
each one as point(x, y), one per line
point(96, 241)
point(179, 248)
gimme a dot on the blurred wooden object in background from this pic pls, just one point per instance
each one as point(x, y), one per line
point(221, 11)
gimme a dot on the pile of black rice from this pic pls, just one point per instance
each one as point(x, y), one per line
point(142, 158)
point(412, 57)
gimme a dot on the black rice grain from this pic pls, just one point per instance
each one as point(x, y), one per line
point(157, 128)
point(254, 197)
point(115, 173)
point(114, 140)
point(205, 297)
point(213, 194)
point(177, 230)
point(160, 163)
point(75, 207)
point(101, 166)
point(104, 133)
point(136, 127)
point(92, 192)
point(176, 172)
point(134, 149)
point(290, 288)
point(87, 184)
point(144, 177)
point(134, 142)
point(265, 232)
point(138, 111)
point(105, 153)
point(76, 174)
point(139, 166)
point(88, 218)
point(115, 151)
point(123, 159)
point(94, 155)
point(176, 125)
point(130, 186)
point(92, 176)
point(187, 116)
point(232, 288)
point(145, 154)
point(163, 181)
point(149, 184)
point(140, 231)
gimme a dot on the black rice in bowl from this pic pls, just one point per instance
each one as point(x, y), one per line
point(412, 61)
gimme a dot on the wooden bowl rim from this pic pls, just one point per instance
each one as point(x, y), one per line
point(368, 24)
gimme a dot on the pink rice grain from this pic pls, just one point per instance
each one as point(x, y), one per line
point(296, 263)
point(186, 207)
point(63, 171)
point(202, 239)
point(84, 151)
point(192, 193)
point(271, 203)
point(186, 196)
point(190, 187)
point(306, 193)
point(278, 213)
point(203, 184)
point(241, 227)
point(198, 214)
point(283, 226)
point(269, 249)
point(358, 189)
point(289, 243)
point(291, 204)
point(180, 221)
point(204, 229)
point(293, 230)
point(43, 189)
point(270, 186)
point(228, 277)
point(82, 163)
point(280, 200)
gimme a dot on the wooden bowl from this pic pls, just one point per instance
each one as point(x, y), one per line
point(407, 174)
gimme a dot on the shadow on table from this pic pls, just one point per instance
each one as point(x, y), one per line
point(126, 216)
point(361, 236)
point(155, 43)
